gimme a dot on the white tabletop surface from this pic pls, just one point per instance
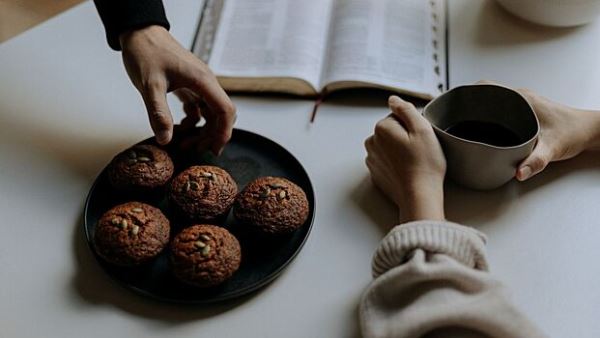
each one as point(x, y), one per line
point(66, 106)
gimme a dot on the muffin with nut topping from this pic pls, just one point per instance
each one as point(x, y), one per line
point(205, 255)
point(131, 234)
point(271, 205)
point(202, 193)
point(141, 168)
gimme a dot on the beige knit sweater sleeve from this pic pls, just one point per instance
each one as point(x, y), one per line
point(431, 280)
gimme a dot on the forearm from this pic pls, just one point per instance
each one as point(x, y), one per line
point(125, 15)
point(430, 277)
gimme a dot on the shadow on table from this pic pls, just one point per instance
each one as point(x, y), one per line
point(353, 331)
point(462, 205)
point(496, 26)
point(94, 287)
point(375, 204)
point(472, 207)
point(475, 207)
point(80, 154)
point(588, 161)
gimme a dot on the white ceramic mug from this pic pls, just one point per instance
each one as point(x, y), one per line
point(560, 13)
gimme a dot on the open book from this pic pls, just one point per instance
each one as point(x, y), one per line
point(309, 47)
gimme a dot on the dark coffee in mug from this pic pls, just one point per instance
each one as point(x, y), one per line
point(485, 132)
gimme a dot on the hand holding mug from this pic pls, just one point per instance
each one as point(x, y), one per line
point(565, 133)
point(407, 163)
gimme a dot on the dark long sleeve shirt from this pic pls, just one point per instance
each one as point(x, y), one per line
point(119, 16)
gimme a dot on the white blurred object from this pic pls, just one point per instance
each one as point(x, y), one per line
point(561, 13)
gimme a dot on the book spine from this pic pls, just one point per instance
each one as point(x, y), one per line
point(207, 29)
point(438, 33)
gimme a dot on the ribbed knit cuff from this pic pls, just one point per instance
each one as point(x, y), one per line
point(119, 16)
point(462, 243)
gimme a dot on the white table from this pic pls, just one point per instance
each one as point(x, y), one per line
point(66, 106)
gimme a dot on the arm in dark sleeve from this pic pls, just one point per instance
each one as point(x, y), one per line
point(119, 16)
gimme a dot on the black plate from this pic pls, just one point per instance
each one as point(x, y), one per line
point(246, 157)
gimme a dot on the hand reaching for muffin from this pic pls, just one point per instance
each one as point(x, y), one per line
point(173, 68)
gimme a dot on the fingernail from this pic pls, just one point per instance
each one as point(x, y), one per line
point(217, 151)
point(524, 173)
point(163, 138)
point(394, 99)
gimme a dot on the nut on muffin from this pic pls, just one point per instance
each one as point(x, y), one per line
point(272, 205)
point(202, 193)
point(205, 255)
point(141, 168)
point(131, 233)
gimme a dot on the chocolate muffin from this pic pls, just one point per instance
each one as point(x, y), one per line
point(202, 193)
point(272, 205)
point(141, 168)
point(205, 255)
point(131, 233)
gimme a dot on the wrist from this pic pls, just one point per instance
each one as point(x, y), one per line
point(594, 123)
point(422, 200)
point(148, 33)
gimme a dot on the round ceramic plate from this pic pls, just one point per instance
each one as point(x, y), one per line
point(246, 157)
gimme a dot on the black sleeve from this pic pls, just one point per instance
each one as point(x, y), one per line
point(119, 16)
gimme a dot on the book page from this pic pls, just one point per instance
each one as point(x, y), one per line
point(385, 42)
point(271, 38)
